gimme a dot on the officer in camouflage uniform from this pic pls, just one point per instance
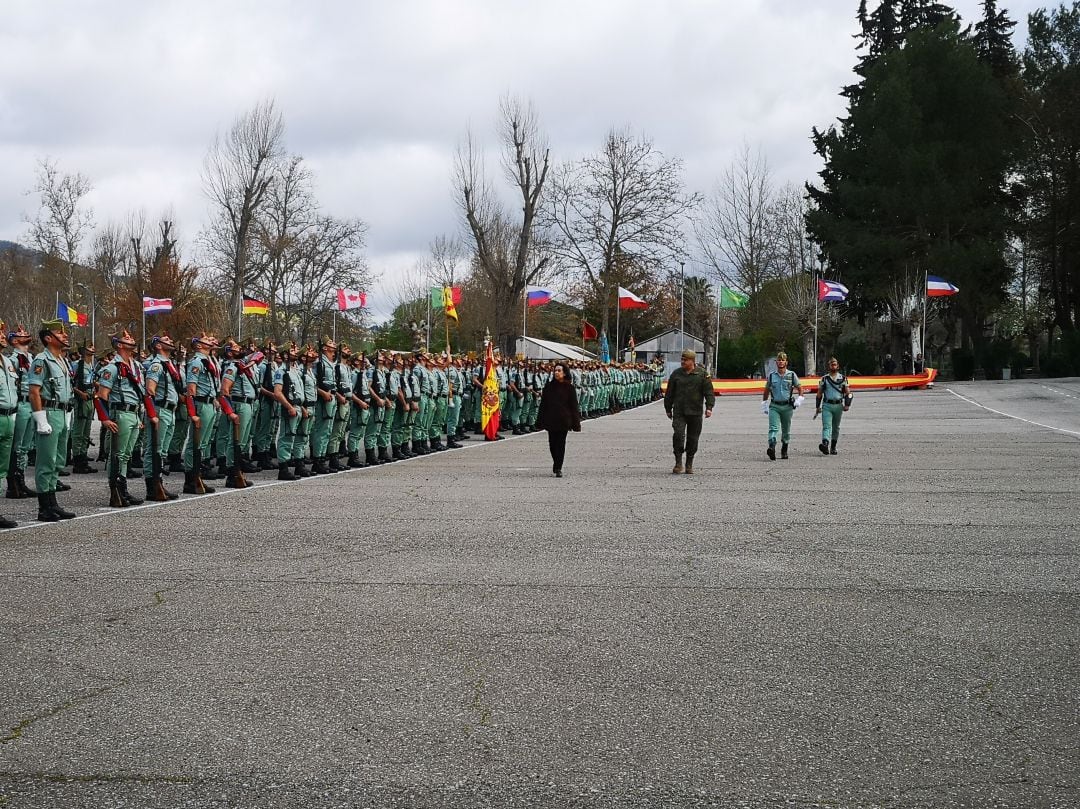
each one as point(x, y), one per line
point(50, 392)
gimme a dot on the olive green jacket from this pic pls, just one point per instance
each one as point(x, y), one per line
point(686, 391)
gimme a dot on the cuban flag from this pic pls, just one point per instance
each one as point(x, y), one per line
point(538, 296)
point(152, 306)
point(628, 300)
point(939, 287)
point(831, 291)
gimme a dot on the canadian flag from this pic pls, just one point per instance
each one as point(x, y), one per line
point(628, 300)
point(350, 299)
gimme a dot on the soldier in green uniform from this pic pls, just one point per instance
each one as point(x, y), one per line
point(687, 388)
point(9, 406)
point(360, 406)
point(455, 383)
point(833, 401)
point(288, 390)
point(203, 389)
point(783, 394)
point(238, 394)
point(84, 410)
point(343, 416)
point(119, 403)
point(183, 420)
point(402, 407)
point(165, 389)
point(326, 407)
point(440, 393)
point(309, 358)
point(50, 402)
point(269, 412)
point(376, 391)
point(23, 437)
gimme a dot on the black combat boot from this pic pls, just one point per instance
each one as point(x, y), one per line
point(129, 498)
point(334, 465)
point(26, 490)
point(451, 443)
point(301, 469)
point(783, 452)
point(318, 466)
point(824, 447)
point(176, 462)
point(45, 512)
point(383, 455)
point(395, 453)
point(247, 465)
point(354, 460)
point(437, 445)
point(81, 466)
point(371, 456)
point(832, 447)
point(284, 473)
point(771, 452)
point(6, 523)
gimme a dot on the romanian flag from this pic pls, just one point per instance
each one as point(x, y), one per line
point(69, 315)
point(449, 303)
point(255, 307)
point(489, 400)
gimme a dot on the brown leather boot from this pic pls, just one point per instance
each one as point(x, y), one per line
point(678, 468)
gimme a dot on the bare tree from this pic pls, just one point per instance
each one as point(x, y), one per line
point(624, 208)
point(735, 230)
point(793, 262)
point(237, 174)
point(330, 258)
point(63, 220)
point(507, 252)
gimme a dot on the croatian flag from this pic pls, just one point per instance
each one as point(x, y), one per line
point(153, 306)
point(939, 287)
point(350, 299)
point(538, 296)
point(628, 300)
point(831, 291)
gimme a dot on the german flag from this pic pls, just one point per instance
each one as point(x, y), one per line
point(255, 307)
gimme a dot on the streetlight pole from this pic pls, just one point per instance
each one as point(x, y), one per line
point(682, 305)
point(93, 313)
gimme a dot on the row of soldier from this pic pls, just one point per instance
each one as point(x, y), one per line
point(301, 411)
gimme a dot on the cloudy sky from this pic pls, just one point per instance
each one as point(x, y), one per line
point(376, 95)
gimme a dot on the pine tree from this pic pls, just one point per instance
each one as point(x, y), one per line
point(993, 41)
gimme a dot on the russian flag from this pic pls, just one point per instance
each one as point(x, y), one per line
point(939, 287)
point(628, 300)
point(538, 296)
point(153, 306)
point(831, 291)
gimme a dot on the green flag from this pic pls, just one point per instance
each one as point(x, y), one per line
point(730, 299)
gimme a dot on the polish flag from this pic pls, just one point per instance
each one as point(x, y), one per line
point(628, 300)
point(939, 287)
point(350, 299)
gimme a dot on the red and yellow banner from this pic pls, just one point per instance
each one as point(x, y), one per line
point(734, 387)
point(489, 400)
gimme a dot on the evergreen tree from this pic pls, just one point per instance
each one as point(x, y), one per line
point(993, 41)
point(913, 179)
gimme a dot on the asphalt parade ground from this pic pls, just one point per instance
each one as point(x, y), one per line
point(895, 626)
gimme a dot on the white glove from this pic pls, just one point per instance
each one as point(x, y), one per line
point(41, 418)
point(764, 407)
point(799, 400)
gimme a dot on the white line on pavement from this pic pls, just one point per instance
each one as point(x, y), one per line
point(1011, 416)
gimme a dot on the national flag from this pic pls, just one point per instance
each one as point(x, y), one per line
point(489, 399)
point(350, 299)
point(730, 299)
point(151, 306)
point(66, 313)
point(605, 350)
point(255, 307)
point(939, 287)
point(628, 300)
point(84, 319)
point(538, 296)
point(448, 299)
point(831, 291)
point(588, 331)
point(438, 296)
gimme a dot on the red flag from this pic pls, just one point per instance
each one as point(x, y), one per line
point(588, 331)
point(489, 400)
point(350, 299)
point(83, 319)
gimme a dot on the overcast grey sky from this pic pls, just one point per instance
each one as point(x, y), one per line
point(377, 94)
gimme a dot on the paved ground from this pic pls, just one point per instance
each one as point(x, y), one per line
point(893, 627)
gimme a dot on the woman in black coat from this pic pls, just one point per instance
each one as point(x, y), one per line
point(559, 414)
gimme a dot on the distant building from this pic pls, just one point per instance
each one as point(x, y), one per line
point(669, 345)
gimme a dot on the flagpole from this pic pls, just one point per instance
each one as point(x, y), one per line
point(334, 327)
point(144, 325)
point(524, 316)
point(427, 331)
point(239, 315)
point(716, 337)
point(817, 303)
point(922, 335)
point(618, 314)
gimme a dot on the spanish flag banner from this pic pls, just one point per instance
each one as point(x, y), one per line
point(448, 300)
point(489, 400)
point(254, 307)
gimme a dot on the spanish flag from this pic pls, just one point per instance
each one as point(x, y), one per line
point(448, 301)
point(489, 400)
point(255, 307)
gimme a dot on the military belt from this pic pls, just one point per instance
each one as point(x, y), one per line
point(834, 401)
point(170, 406)
point(55, 404)
point(8, 411)
point(311, 403)
point(204, 399)
point(243, 399)
point(123, 408)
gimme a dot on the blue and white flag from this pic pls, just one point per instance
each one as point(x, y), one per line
point(605, 352)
